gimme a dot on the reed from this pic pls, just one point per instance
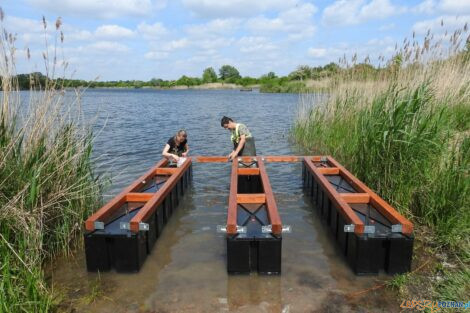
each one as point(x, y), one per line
point(405, 131)
point(47, 187)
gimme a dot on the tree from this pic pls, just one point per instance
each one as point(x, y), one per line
point(228, 72)
point(209, 75)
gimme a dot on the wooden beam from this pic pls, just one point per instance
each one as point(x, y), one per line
point(355, 197)
point(266, 158)
point(248, 171)
point(328, 170)
point(166, 171)
point(335, 198)
point(232, 200)
point(158, 197)
point(383, 207)
point(115, 203)
point(271, 206)
point(251, 198)
point(139, 196)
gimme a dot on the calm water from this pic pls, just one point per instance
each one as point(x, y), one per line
point(186, 271)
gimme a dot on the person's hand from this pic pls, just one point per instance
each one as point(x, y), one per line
point(176, 158)
point(232, 156)
point(184, 154)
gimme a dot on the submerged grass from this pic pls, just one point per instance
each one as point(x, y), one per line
point(406, 133)
point(47, 187)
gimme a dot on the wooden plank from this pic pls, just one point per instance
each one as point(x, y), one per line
point(139, 196)
point(158, 197)
point(108, 209)
point(383, 207)
point(271, 206)
point(328, 170)
point(282, 158)
point(166, 170)
point(232, 200)
point(355, 197)
point(267, 158)
point(248, 171)
point(251, 198)
point(335, 198)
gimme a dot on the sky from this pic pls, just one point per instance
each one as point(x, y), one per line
point(145, 39)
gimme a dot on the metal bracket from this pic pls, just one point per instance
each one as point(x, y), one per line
point(369, 229)
point(99, 225)
point(143, 182)
point(397, 228)
point(286, 229)
point(349, 228)
point(144, 226)
point(266, 229)
point(241, 229)
point(223, 229)
point(127, 226)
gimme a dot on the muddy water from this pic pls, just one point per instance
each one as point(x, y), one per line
point(186, 271)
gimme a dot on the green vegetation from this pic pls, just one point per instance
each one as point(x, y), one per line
point(47, 186)
point(405, 131)
point(299, 81)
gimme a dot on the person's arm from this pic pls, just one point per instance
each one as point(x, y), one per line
point(240, 146)
point(168, 155)
point(186, 150)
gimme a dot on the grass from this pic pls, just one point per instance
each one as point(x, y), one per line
point(406, 133)
point(47, 187)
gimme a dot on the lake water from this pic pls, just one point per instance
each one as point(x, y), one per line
point(186, 271)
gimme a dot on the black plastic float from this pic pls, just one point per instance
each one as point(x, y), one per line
point(122, 233)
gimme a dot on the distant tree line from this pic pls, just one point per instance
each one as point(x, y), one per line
point(270, 82)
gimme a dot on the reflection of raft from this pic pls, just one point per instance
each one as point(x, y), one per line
point(371, 234)
point(123, 232)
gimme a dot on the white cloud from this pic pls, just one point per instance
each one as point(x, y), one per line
point(426, 7)
point(106, 47)
point(298, 22)
point(455, 6)
point(317, 52)
point(350, 12)
point(156, 55)
point(252, 44)
point(217, 26)
point(100, 8)
point(235, 8)
point(113, 32)
point(152, 31)
point(441, 24)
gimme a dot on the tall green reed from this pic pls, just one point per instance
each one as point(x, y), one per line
point(406, 133)
point(47, 186)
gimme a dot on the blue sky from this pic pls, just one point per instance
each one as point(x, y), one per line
point(144, 39)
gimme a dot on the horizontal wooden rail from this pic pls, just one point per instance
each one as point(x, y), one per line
point(232, 200)
point(248, 171)
point(328, 170)
point(335, 198)
point(166, 171)
point(355, 197)
point(107, 210)
point(251, 198)
point(383, 207)
point(271, 206)
point(138, 196)
point(267, 158)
